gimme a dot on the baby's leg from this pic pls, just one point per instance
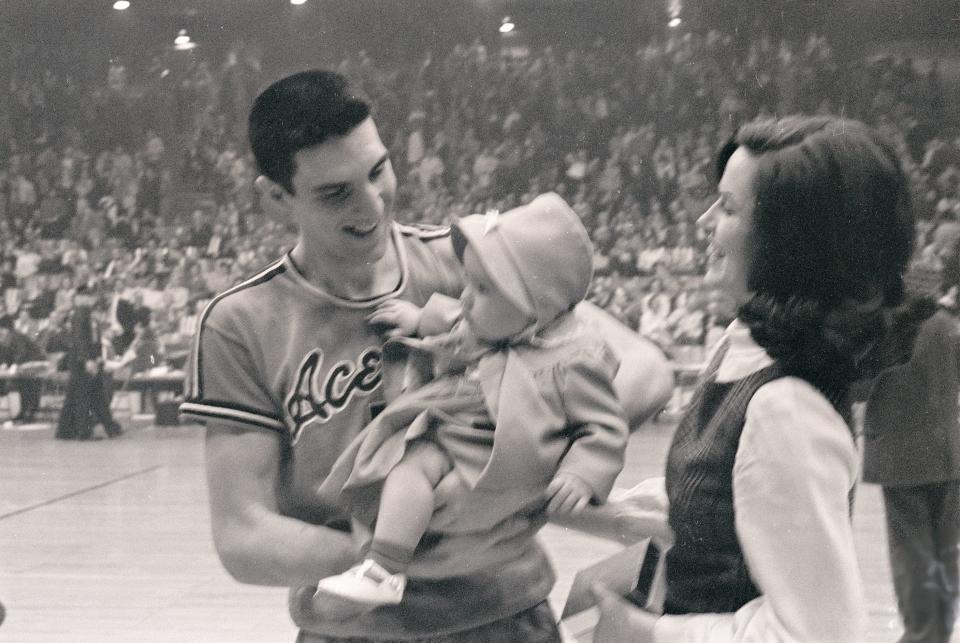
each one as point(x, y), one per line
point(407, 504)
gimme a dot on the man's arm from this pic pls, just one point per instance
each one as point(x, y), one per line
point(628, 516)
point(255, 543)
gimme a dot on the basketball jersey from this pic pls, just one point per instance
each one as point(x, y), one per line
point(279, 353)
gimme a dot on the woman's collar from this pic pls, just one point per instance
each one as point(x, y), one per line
point(743, 357)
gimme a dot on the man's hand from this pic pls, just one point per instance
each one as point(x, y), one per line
point(642, 512)
point(567, 494)
point(402, 317)
point(628, 516)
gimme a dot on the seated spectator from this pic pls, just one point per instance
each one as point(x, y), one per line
point(201, 230)
point(16, 348)
point(25, 324)
point(655, 310)
point(54, 337)
point(43, 299)
point(27, 261)
point(687, 322)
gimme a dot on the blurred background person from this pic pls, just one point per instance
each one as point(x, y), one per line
point(89, 388)
point(16, 348)
point(911, 446)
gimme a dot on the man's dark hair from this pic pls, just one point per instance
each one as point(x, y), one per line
point(300, 111)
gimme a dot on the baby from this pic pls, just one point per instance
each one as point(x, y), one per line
point(522, 412)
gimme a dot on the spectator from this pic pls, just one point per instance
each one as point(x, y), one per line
point(912, 448)
point(16, 348)
point(89, 387)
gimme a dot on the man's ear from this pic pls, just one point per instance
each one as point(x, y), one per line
point(268, 188)
point(272, 195)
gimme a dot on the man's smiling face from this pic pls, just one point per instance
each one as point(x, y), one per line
point(343, 196)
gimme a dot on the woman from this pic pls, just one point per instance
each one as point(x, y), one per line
point(88, 393)
point(811, 234)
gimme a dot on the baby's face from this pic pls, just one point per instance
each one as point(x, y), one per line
point(491, 316)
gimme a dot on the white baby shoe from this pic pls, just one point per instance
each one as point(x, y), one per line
point(367, 583)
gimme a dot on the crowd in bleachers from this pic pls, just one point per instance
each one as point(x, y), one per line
point(139, 186)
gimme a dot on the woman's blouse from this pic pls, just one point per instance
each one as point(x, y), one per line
point(794, 468)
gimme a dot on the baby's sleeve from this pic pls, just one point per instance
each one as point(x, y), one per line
point(596, 425)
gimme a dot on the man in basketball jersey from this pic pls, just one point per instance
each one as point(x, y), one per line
point(285, 371)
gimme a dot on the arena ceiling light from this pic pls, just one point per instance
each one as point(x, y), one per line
point(674, 10)
point(182, 42)
point(298, 1)
point(121, 5)
point(506, 26)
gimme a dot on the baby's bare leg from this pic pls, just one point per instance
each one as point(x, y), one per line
point(407, 504)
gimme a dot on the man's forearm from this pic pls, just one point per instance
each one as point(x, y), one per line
point(284, 551)
point(628, 516)
point(256, 543)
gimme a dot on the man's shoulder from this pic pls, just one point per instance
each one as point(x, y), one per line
point(429, 252)
point(424, 232)
point(250, 294)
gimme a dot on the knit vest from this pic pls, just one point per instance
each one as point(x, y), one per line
point(706, 570)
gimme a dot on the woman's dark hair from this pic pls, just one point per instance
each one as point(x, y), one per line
point(300, 111)
point(831, 237)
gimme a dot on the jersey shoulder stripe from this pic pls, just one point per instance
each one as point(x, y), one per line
point(424, 231)
point(205, 412)
point(275, 269)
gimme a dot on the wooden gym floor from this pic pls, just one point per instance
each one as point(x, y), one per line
point(109, 541)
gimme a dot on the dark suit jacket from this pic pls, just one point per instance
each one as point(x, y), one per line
point(20, 349)
point(911, 432)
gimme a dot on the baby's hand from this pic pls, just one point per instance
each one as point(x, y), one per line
point(402, 317)
point(567, 494)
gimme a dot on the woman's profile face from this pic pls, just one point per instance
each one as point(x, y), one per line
point(729, 220)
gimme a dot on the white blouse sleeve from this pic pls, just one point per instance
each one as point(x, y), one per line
point(793, 471)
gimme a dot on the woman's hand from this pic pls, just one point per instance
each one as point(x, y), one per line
point(620, 620)
point(400, 316)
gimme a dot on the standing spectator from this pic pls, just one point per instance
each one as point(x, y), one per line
point(912, 449)
point(87, 399)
